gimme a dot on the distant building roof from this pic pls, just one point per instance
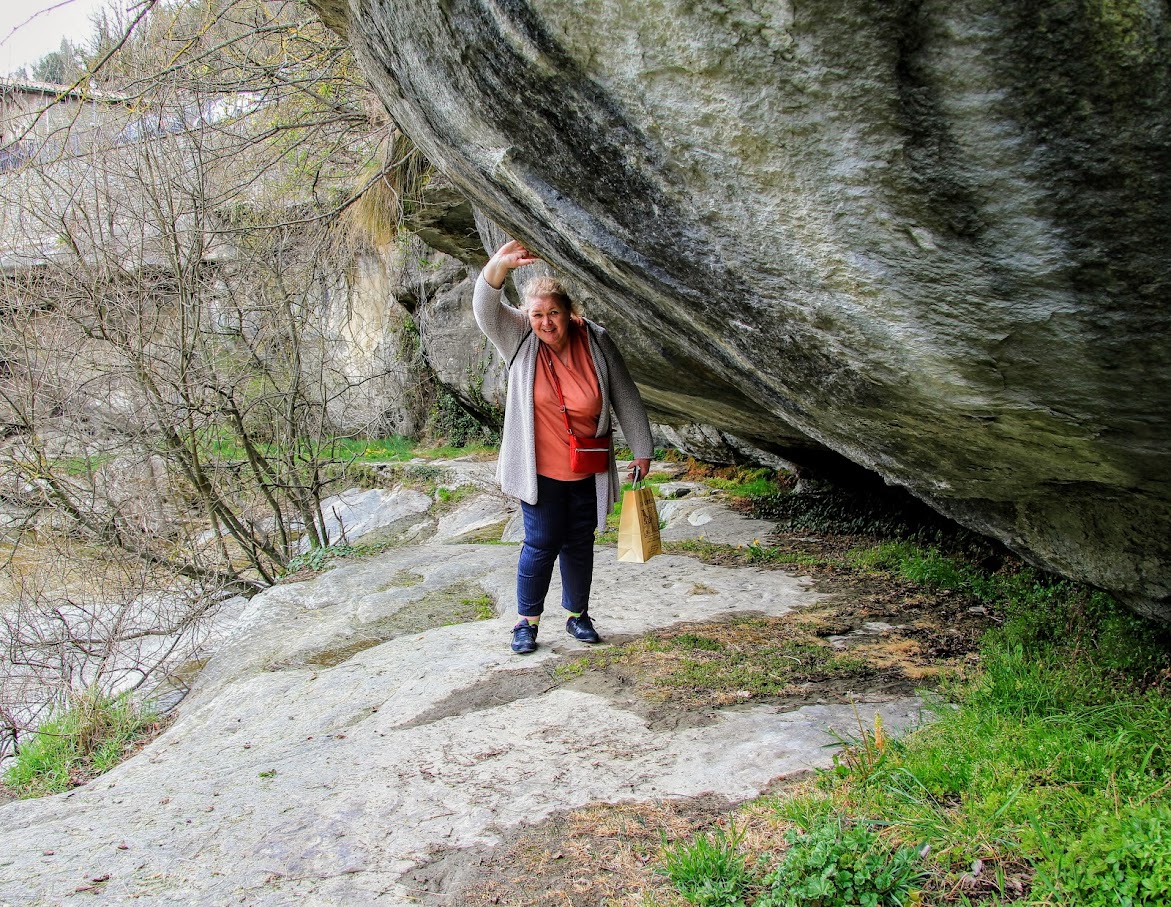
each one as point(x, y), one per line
point(60, 92)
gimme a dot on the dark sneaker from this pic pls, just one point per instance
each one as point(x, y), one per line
point(582, 628)
point(524, 638)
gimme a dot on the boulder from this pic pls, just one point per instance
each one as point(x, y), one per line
point(460, 356)
point(928, 237)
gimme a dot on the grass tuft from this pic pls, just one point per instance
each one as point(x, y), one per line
point(88, 738)
point(708, 870)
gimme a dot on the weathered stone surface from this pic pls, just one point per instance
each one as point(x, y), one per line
point(358, 512)
point(375, 383)
point(930, 237)
point(444, 220)
point(482, 519)
point(702, 517)
point(342, 736)
point(460, 355)
point(714, 446)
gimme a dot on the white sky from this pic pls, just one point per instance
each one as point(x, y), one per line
point(29, 29)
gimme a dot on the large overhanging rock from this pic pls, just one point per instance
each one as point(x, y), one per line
point(930, 236)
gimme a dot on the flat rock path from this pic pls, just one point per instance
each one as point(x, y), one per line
point(339, 740)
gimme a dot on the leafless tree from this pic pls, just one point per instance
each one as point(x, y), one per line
point(172, 257)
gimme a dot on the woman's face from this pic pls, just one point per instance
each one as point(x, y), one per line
point(550, 321)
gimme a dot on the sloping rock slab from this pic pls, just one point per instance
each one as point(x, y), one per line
point(301, 772)
point(711, 519)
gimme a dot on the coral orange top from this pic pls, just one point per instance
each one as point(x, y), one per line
point(583, 401)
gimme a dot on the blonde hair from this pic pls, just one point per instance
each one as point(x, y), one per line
point(548, 288)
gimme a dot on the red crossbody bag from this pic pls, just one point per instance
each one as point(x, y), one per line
point(586, 455)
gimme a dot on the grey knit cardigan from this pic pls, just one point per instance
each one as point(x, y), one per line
point(508, 329)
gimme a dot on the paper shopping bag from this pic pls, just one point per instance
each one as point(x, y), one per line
point(638, 528)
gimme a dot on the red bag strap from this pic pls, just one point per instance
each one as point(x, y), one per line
point(547, 358)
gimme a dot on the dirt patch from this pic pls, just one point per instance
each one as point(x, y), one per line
point(500, 688)
point(601, 854)
point(402, 579)
point(930, 631)
point(684, 675)
point(454, 604)
point(874, 637)
point(621, 684)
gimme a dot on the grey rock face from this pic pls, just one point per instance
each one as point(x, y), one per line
point(460, 355)
point(930, 237)
point(375, 381)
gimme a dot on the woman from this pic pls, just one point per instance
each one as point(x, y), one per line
point(549, 347)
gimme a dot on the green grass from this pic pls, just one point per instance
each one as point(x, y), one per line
point(378, 450)
point(452, 496)
point(318, 559)
point(84, 466)
point(725, 662)
point(450, 452)
point(1044, 777)
point(709, 869)
point(480, 607)
point(744, 482)
point(761, 670)
point(223, 444)
point(83, 741)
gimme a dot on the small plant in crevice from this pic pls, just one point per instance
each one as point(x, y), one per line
point(451, 496)
point(483, 607)
point(316, 559)
point(861, 758)
point(709, 870)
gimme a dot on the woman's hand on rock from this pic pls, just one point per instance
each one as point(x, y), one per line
point(511, 255)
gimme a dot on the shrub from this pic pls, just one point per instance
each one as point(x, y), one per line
point(453, 422)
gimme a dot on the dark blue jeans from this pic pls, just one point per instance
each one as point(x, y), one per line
point(561, 524)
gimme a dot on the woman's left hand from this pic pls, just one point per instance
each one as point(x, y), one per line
point(643, 465)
